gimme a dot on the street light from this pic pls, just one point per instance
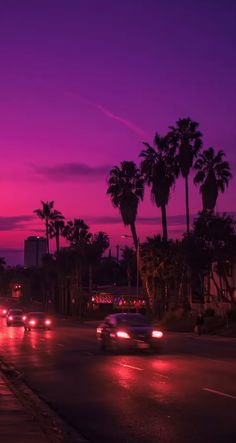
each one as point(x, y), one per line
point(137, 263)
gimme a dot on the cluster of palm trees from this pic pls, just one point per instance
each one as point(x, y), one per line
point(177, 153)
point(76, 231)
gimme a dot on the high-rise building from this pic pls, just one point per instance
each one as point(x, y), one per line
point(35, 248)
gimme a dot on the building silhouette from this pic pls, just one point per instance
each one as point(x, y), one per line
point(34, 249)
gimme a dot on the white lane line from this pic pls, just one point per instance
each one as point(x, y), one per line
point(61, 345)
point(132, 367)
point(222, 394)
point(161, 375)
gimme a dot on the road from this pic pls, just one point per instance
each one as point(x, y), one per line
point(187, 394)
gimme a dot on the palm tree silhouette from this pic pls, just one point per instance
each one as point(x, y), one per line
point(56, 228)
point(213, 175)
point(47, 213)
point(97, 245)
point(187, 140)
point(159, 168)
point(126, 188)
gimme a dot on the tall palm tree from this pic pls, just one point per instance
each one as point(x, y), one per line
point(56, 228)
point(126, 188)
point(47, 213)
point(159, 168)
point(213, 175)
point(187, 139)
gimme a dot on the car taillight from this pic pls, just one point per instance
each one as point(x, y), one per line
point(10, 318)
point(4, 311)
point(32, 322)
point(48, 322)
point(99, 330)
point(122, 334)
point(157, 334)
point(24, 317)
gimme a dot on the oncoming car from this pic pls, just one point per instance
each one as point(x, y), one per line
point(120, 332)
point(15, 317)
point(37, 320)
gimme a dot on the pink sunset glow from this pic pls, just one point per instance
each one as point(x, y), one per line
point(82, 87)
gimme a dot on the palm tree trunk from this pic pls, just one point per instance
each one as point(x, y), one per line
point(47, 235)
point(57, 242)
point(187, 204)
point(134, 234)
point(164, 222)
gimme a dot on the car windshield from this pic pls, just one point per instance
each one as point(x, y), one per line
point(16, 312)
point(132, 320)
point(37, 314)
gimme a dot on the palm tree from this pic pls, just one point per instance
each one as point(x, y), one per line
point(187, 140)
point(213, 174)
point(129, 262)
point(56, 228)
point(126, 188)
point(78, 235)
point(97, 245)
point(159, 169)
point(47, 213)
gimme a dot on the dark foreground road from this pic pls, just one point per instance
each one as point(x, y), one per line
point(188, 394)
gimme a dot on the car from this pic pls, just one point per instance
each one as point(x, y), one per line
point(15, 317)
point(37, 320)
point(125, 331)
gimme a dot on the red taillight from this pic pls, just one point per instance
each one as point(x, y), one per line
point(24, 317)
point(10, 318)
point(157, 334)
point(99, 330)
point(122, 334)
point(4, 311)
point(48, 322)
point(32, 322)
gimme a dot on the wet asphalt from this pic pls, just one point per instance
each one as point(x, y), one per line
point(186, 394)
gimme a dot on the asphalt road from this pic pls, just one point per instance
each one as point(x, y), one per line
point(187, 394)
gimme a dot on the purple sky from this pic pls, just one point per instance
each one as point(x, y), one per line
point(84, 82)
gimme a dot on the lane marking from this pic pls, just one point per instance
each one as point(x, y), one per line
point(161, 375)
point(61, 345)
point(132, 367)
point(222, 394)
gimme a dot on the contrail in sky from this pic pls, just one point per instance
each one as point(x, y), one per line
point(125, 122)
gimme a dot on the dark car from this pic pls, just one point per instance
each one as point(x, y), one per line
point(15, 317)
point(37, 320)
point(120, 332)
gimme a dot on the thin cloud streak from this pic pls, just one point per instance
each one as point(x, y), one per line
point(104, 110)
point(71, 171)
point(122, 120)
point(11, 223)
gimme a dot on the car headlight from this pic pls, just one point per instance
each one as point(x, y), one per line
point(157, 334)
